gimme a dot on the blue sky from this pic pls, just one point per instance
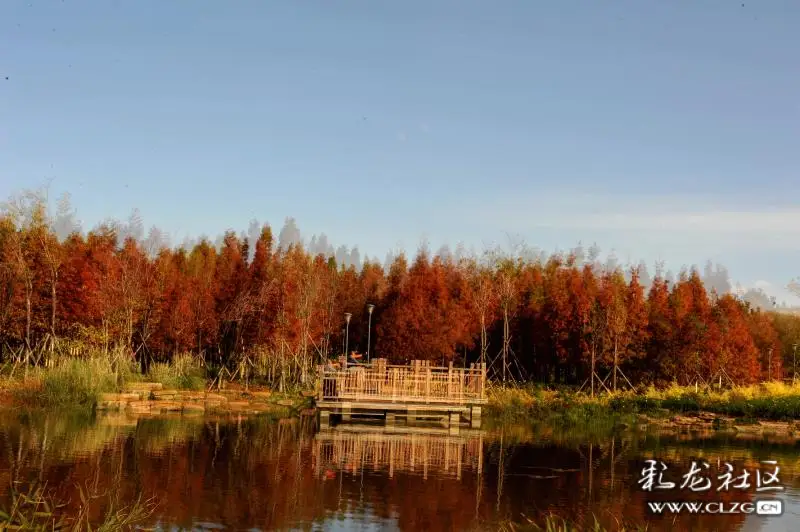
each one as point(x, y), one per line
point(659, 129)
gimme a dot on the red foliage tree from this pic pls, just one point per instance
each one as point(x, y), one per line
point(767, 344)
point(738, 358)
point(282, 311)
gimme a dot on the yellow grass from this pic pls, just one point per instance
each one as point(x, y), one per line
point(773, 400)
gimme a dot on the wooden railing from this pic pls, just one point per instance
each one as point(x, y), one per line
point(417, 383)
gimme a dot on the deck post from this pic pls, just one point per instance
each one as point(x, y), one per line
point(450, 380)
point(475, 417)
point(483, 380)
point(324, 418)
point(455, 421)
point(320, 384)
point(415, 369)
point(390, 418)
point(427, 383)
point(346, 411)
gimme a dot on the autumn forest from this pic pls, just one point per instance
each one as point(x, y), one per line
point(279, 309)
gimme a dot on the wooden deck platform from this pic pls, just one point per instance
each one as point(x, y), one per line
point(417, 391)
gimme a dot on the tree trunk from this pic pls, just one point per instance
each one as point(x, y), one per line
point(615, 364)
point(505, 340)
point(129, 333)
point(28, 305)
point(28, 312)
point(483, 338)
point(53, 303)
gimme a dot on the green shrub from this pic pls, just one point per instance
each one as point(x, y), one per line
point(72, 383)
point(184, 373)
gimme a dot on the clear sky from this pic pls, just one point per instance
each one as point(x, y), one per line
point(659, 129)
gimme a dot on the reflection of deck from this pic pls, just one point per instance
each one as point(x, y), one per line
point(423, 451)
point(415, 391)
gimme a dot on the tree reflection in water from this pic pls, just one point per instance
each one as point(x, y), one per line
point(282, 473)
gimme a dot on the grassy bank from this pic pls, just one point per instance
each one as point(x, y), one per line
point(71, 382)
point(82, 383)
point(770, 401)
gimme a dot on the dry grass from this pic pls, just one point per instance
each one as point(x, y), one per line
point(34, 509)
point(555, 523)
point(776, 401)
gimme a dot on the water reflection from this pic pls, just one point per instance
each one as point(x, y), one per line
point(273, 474)
point(408, 449)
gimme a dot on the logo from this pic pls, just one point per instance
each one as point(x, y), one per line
point(697, 478)
point(769, 507)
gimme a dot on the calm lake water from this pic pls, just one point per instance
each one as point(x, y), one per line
point(270, 474)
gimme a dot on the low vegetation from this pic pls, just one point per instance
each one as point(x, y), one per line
point(185, 373)
point(554, 523)
point(35, 510)
point(108, 380)
point(80, 382)
point(769, 401)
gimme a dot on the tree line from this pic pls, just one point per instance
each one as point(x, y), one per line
point(274, 312)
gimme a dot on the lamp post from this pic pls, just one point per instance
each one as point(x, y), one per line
point(770, 364)
point(370, 308)
point(794, 362)
point(347, 317)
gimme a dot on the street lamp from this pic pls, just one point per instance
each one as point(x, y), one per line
point(347, 317)
point(770, 364)
point(370, 308)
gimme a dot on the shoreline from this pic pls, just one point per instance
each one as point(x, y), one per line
point(708, 422)
point(153, 398)
point(769, 408)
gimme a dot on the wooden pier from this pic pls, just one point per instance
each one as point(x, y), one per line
point(414, 392)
